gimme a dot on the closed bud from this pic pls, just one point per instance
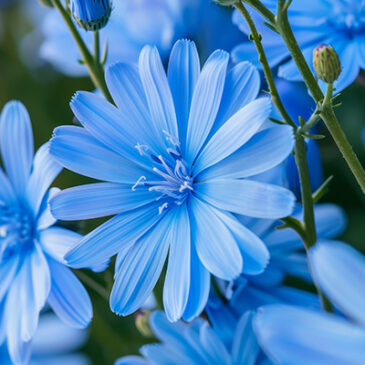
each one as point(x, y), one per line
point(142, 324)
point(326, 63)
point(226, 2)
point(91, 14)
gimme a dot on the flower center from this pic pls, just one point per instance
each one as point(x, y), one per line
point(348, 16)
point(174, 182)
point(16, 230)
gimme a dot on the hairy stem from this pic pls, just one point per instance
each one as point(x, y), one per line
point(95, 69)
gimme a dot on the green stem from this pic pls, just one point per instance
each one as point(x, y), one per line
point(95, 69)
point(91, 283)
point(327, 114)
point(97, 46)
point(261, 9)
point(256, 38)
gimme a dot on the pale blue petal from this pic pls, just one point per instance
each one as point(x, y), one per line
point(292, 335)
point(234, 133)
point(158, 354)
point(55, 337)
point(45, 218)
point(125, 85)
point(254, 253)
point(45, 170)
point(118, 232)
point(242, 86)
point(68, 298)
point(245, 348)
point(215, 244)
point(141, 269)
point(183, 73)
point(214, 348)
point(247, 197)
point(339, 270)
point(330, 220)
point(98, 200)
point(265, 150)
point(157, 91)
point(7, 194)
point(131, 360)
point(177, 281)
point(74, 148)
point(8, 269)
point(57, 241)
point(105, 123)
point(245, 51)
point(199, 287)
point(205, 103)
point(16, 143)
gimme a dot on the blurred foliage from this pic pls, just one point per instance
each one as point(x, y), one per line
point(46, 94)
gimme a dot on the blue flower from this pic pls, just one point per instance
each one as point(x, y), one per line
point(286, 258)
point(134, 24)
point(178, 154)
point(321, 338)
point(91, 14)
point(340, 23)
point(32, 269)
point(199, 343)
point(54, 343)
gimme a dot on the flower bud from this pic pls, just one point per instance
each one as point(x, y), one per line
point(142, 324)
point(226, 2)
point(326, 63)
point(91, 14)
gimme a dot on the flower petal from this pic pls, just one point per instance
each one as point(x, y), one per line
point(265, 150)
point(247, 197)
point(177, 282)
point(242, 86)
point(7, 194)
point(45, 219)
point(98, 200)
point(16, 143)
point(77, 150)
point(340, 272)
point(68, 297)
point(285, 331)
point(205, 103)
point(157, 91)
point(234, 133)
point(140, 269)
point(116, 234)
point(183, 73)
point(45, 170)
point(215, 244)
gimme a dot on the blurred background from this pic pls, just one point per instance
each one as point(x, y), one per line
point(46, 92)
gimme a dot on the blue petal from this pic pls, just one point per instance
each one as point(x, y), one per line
point(78, 151)
point(291, 335)
point(330, 220)
point(234, 133)
point(177, 282)
point(205, 103)
point(141, 269)
point(245, 348)
point(165, 355)
point(114, 235)
point(263, 151)
point(241, 87)
point(98, 200)
point(105, 123)
point(45, 170)
point(57, 241)
point(125, 85)
point(183, 73)
point(340, 272)
point(157, 91)
point(68, 298)
point(16, 143)
point(131, 360)
point(254, 252)
point(247, 197)
point(215, 244)
point(7, 194)
point(199, 287)
point(45, 218)
point(8, 269)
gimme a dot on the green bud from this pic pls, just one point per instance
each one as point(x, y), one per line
point(226, 2)
point(326, 63)
point(47, 3)
point(142, 324)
